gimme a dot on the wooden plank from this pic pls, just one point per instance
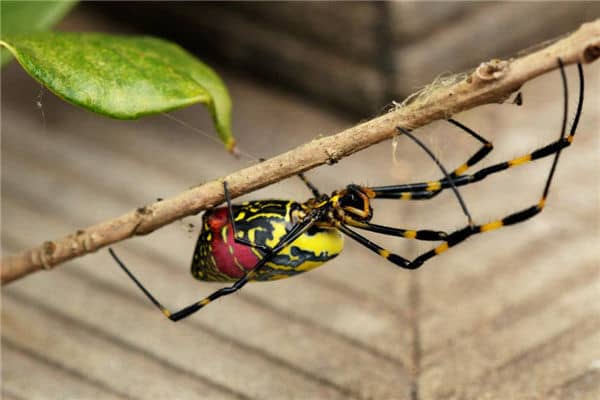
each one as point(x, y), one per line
point(584, 387)
point(413, 21)
point(506, 297)
point(562, 359)
point(478, 357)
point(29, 375)
point(113, 367)
point(478, 36)
point(348, 28)
point(200, 353)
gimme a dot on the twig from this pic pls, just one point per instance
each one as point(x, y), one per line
point(492, 81)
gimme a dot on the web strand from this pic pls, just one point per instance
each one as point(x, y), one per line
point(209, 136)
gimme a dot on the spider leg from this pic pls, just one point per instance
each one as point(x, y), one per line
point(461, 201)
point(392, 257)
point(288, 238)
point(408, 234)
point(310, 185)
point(462, 234)
point(427, 190)
point(421, 234)
point(479, 154)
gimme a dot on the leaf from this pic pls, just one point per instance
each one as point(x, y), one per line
point(123, 77)
point(29, 16)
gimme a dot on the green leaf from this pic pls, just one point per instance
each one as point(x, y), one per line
point(29, 16)
point(123, 77)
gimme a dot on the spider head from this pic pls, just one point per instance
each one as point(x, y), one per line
point(354, 201)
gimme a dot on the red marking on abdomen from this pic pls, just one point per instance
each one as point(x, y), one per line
point(231, 258)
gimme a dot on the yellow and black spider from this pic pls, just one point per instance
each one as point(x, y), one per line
point(266, 240)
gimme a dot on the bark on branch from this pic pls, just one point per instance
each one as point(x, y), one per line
point(492, 81)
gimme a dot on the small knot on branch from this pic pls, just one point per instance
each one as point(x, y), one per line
point(491, 70)
point(591, 53)
point(332, 156)
point(143, 211)
point(142, 214)
point(84, 241)
point(46, 253)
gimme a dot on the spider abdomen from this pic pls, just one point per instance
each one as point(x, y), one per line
point(218, 257)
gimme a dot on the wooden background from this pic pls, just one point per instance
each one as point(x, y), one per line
point(513, 314)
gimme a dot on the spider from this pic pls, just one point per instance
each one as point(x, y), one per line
point(267, 240)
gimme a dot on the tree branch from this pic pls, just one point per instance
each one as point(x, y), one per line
point(492, 81)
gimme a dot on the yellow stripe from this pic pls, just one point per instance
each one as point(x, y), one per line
point(384, 253)
point(570, 138)
point(460, 170)
point(406, 195)
point(355, 223)
point(237, 264)
point(224, 233)
point(441, 248)
point(204, 302)
point(491, 226)
point(433, 186)
point(166, 312)
point(542, 203)
point(240, 216)
point(370, 194)
point(520, 160)
point(276, 277)
point(281, 267)
point(264, 215)
point(410, 234)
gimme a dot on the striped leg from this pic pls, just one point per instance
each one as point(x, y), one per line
point(288, 238)
point(422, 234)
point(427, 190)
point(460, 235)
point(522, 215)
point(394, 258)
point(408, 234)
point(450, 240)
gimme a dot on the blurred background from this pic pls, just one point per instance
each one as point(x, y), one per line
point(512, 314)
point(353, 56)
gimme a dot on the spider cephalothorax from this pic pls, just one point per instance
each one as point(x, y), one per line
point(354, 202)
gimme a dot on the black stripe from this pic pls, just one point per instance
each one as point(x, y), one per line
point(521, 215)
